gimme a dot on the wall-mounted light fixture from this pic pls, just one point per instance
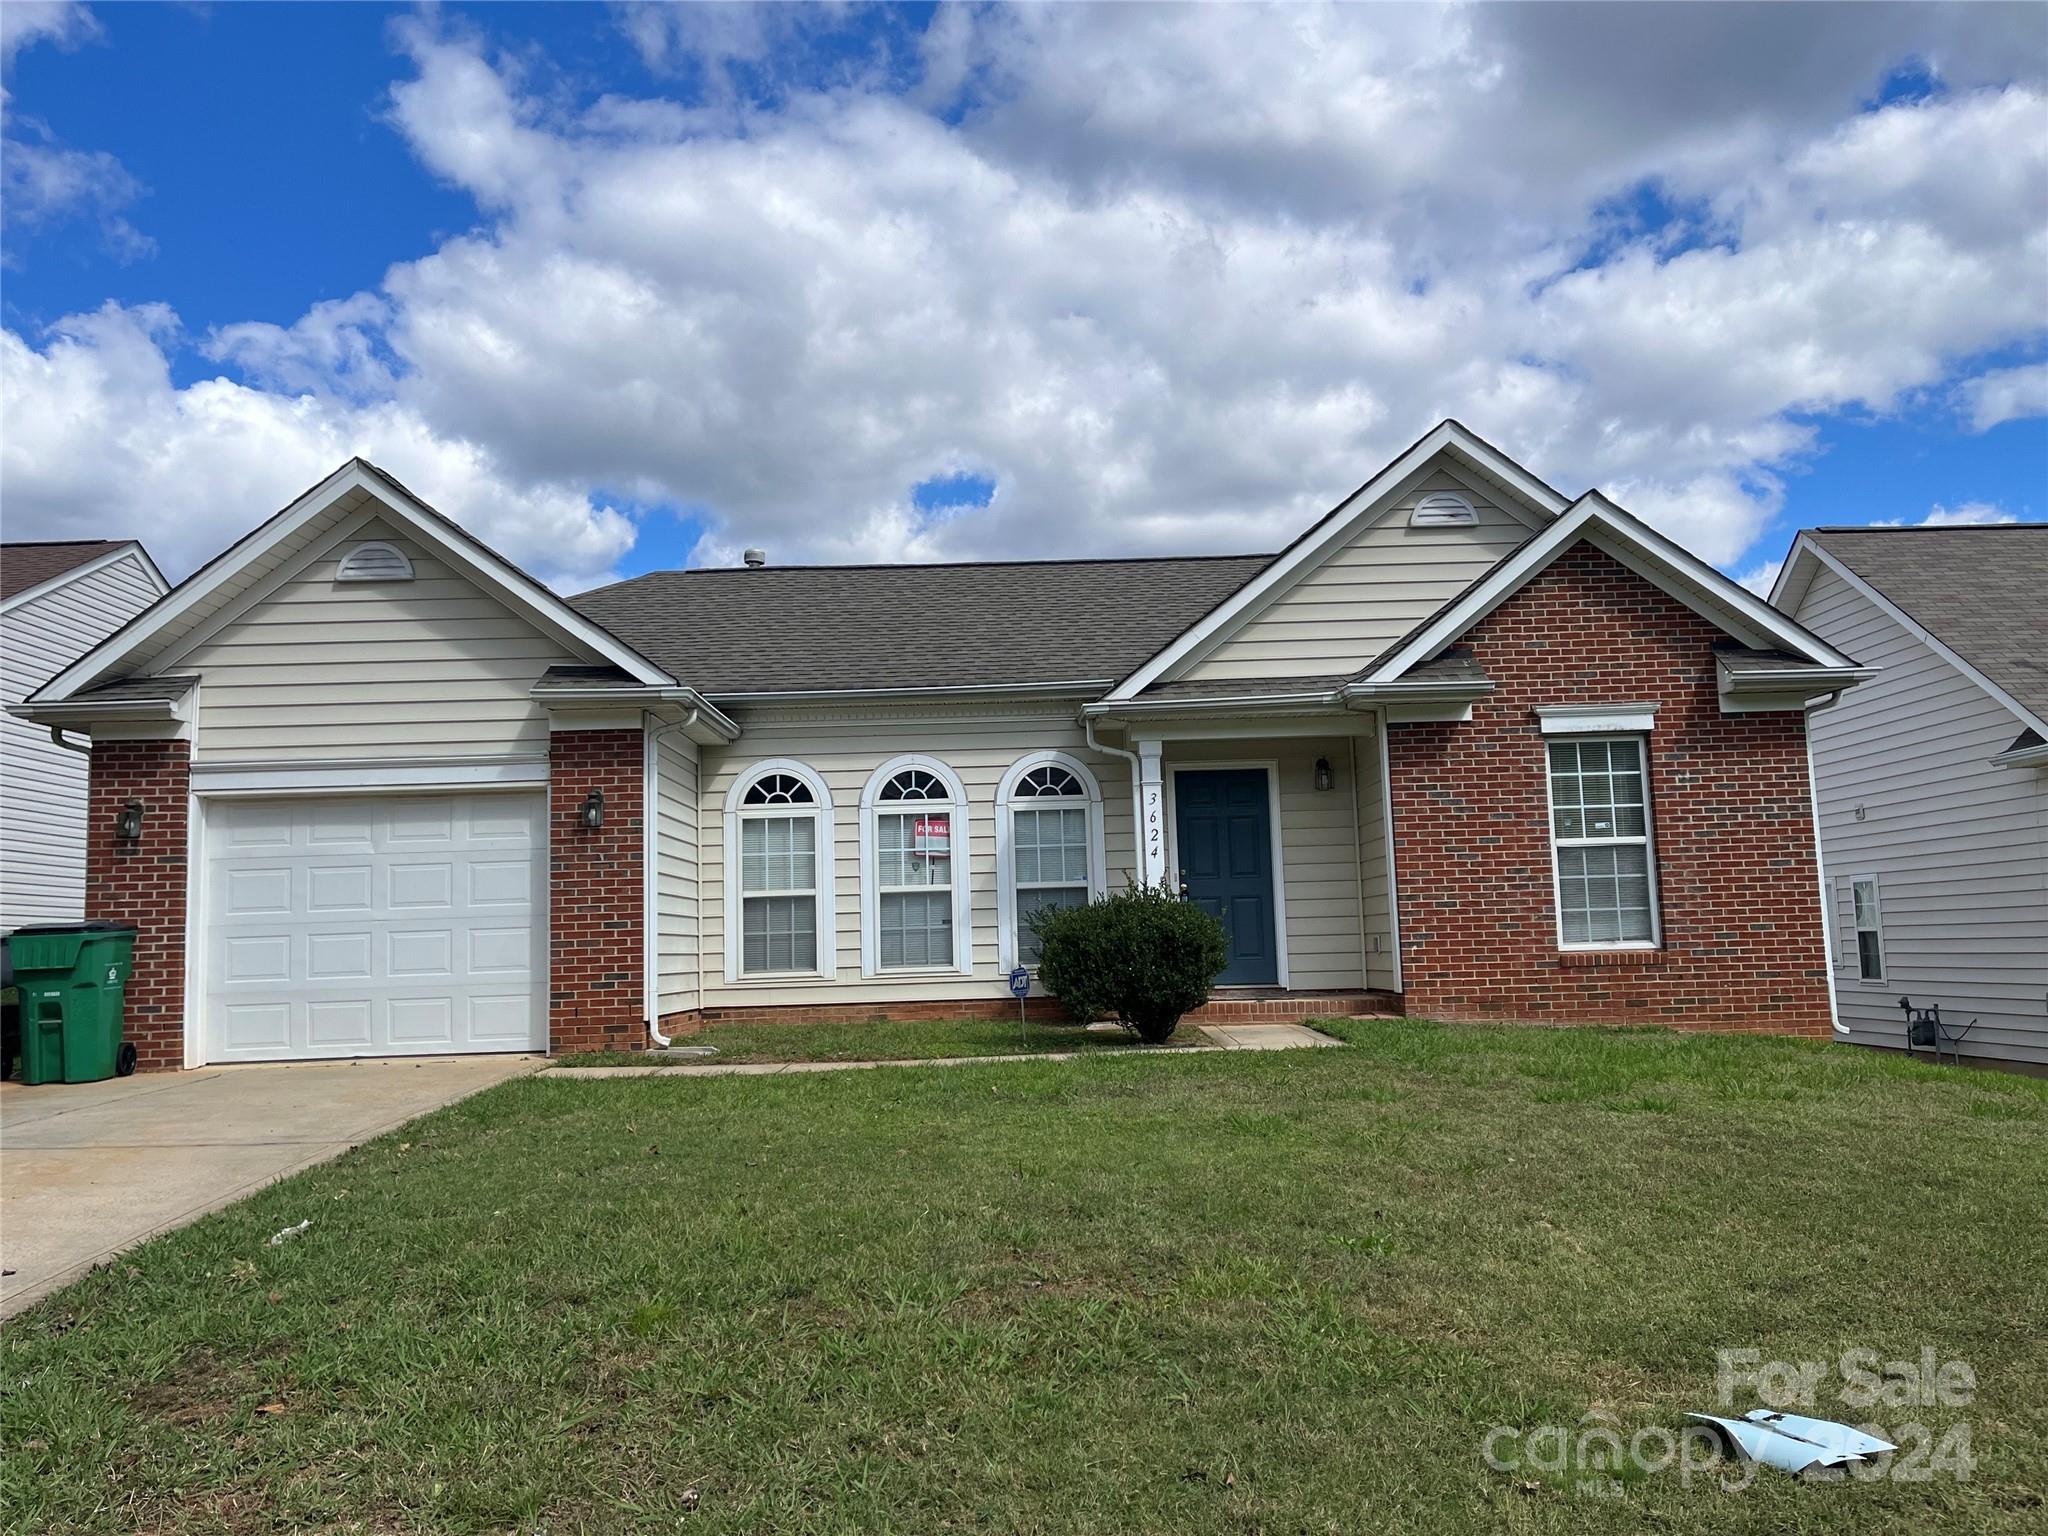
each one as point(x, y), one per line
point(592, 813)
point(128, 821)
point(1324, 778)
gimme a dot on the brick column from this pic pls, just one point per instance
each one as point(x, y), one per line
point(596, 891)
point(143, 882)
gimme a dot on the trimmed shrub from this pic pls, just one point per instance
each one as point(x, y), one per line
point(1143, 958)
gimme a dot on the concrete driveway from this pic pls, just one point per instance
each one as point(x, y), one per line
point(88, 1169)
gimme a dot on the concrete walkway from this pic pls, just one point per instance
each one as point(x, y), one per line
point(88, 1169)
point(1226, 1037)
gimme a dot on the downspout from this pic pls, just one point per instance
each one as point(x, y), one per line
point(1137, 792)
point(57, 736)
point(1820, 863)
point(650, 896)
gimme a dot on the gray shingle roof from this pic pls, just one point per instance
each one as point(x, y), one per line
point(785, 629)
point(139, 688)
point(575, 679)
point(1243, 687)
point(30, 565)
point(1980, 591)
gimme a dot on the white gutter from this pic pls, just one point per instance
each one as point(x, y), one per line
point(699, 707)
point(1820, 862)
point(650, 893)
point(850, 695)
point(1137, 790)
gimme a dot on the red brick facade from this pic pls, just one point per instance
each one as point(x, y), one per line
point(596, 892)
point(1742, 939)
point(143, 882)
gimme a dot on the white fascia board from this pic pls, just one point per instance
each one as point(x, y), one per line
point(1122, 709)
point(96, 564)
point(475, 559)
point(1336, 529)
point(1912, 627)
point(1666, 565)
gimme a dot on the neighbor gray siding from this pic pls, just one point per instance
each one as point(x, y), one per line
point(320, 669)
point(1959, 847)
point(1367, 595)
point(42, 786)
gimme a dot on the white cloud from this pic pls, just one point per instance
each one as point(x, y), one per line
point(61, 22)
point(1174, 280)
point(2010, 394)
point(101, 442)
point(1968, 514)
point(1763, 577)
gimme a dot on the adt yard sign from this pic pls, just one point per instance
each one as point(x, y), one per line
point(1020, 983)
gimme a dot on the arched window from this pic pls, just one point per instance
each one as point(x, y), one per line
point(778, 873)
point(914, 901)
point(1048, 845)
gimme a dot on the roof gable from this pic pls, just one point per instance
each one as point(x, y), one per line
point(1448, 447)
point(27, 571)
point(1658, 560)
point(1971, 594)
point(242, 575)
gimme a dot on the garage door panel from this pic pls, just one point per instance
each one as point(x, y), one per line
point(374, 925)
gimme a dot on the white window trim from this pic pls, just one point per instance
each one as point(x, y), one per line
point(1597, 719)
point(1006, 883)
point(828, 937)
point(1857, 930)
point(870, 886)
point(1602, 946)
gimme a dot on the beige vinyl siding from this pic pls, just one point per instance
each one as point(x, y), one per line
point(676, 875)
point(845, 747)
point(1960, 847)
point(1372, 864)
point(1319, 853)
point(42, 786)
point(320, 669)
point(1366, 595)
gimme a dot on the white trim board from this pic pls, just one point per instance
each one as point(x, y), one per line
point(90, 567)
point(1336, 529)
point(469, 556)
point(1637, 546)
point(268, 779)
point(1805, 550)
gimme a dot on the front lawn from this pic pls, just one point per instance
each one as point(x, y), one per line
point(881, 1040)
point(1234, 1292)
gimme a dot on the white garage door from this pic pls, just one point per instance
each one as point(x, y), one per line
point(374, 925)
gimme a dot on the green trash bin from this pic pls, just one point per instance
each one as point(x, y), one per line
point(73, 979)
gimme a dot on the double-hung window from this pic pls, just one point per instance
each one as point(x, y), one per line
point(915, 831)
point(1600, 841)
point(778, 822)
point(1052, 855)
point(1869, 920)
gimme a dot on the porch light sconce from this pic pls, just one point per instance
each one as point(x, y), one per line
point(128, 822)
point(1325, 780)
point(592, 812)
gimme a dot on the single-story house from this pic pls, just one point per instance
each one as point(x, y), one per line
point(1466, 746)
point(57, 601)
point(1933, 778)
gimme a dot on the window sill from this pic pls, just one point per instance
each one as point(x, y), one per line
point(1598, 959)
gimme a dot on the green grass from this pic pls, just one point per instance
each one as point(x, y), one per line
point(882, 1040)
point(1276, 1292)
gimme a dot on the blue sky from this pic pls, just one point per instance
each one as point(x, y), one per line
point(625, 288)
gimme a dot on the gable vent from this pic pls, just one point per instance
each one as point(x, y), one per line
point(1442, 509)
point(375, 561)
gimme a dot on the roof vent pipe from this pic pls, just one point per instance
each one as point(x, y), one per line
point(755, 558)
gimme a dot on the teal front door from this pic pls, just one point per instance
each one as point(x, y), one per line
point(1225, 831)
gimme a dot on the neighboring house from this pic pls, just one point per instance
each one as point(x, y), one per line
point(1466, 745)
point(57, 601)
point(1933, 777)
